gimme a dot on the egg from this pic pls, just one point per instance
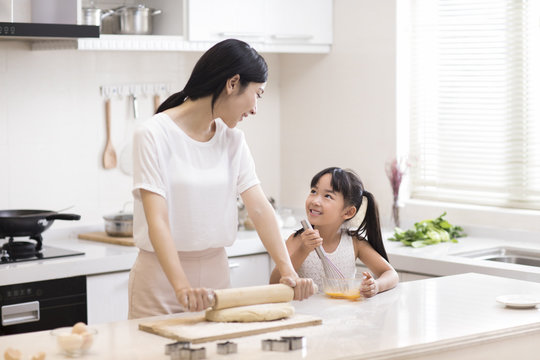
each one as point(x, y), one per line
point(39, 356)
point(12, 354)
point(88, 339)
point(79, 328)
point(70, 342)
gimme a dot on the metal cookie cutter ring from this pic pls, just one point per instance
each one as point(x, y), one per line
point(189, 354)
point(227, 347)
point(170, 348)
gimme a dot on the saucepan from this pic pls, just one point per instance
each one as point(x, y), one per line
point(119, 224)
point(15, 223)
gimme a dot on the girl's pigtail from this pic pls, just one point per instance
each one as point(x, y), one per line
point(370, 227)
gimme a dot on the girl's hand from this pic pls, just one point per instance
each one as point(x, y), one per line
point(311, 239)
point(369, 286)
point(195, 299)
point(303, 287)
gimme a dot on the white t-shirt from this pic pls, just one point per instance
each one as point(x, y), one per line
point(199, 180)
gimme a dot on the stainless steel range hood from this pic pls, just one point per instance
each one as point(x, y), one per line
point(62, 27)
point(17, 30)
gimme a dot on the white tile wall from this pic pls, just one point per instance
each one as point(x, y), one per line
point(52, 126)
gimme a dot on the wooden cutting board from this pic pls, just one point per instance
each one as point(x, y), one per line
point(197, 330)
point(103, 237)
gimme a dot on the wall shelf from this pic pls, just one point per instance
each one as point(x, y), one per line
point(161, 43)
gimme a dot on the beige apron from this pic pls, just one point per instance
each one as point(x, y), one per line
point(150, 293)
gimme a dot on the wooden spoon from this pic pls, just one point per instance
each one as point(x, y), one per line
point(109, 155)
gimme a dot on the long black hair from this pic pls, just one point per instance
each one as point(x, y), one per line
point(218, 64)
point(348, 183)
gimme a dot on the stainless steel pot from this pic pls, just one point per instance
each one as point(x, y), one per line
point(133, 20)
point(94, 16)
point(119, 224)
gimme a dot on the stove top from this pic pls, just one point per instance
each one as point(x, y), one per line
point(23, 250)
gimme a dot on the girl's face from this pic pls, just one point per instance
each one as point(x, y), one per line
point(324, 206)
point(239, 102)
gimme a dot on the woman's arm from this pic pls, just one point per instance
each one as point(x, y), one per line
point(156, 213)
point(262, 214)
point(385, 276)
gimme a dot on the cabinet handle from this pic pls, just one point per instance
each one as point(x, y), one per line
point(292, 37)
point(240, 34)
point(20, 313)
point(234, 265)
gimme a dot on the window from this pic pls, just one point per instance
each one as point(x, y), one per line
point(474, 120)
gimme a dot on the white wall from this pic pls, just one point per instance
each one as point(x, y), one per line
point(339, 109)
point(52, 125)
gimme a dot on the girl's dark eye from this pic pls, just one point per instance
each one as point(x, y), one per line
point(312, 191)
point(328, 196)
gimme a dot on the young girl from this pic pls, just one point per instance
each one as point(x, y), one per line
point(336, 202)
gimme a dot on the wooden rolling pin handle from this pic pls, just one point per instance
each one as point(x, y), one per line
point(227, 298)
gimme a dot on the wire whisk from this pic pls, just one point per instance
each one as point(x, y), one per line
point(331, 271)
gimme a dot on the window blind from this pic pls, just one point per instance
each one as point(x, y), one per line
point(474, 126)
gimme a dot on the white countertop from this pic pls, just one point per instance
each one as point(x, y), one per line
point(444, 259)
point(98, 257)
point(418, 317)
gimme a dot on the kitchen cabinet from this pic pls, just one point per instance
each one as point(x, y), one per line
point(276, 26)
point(107, 297)
point(107, 294)
point(250, 270)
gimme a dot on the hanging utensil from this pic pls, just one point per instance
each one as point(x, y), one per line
point(109, 154)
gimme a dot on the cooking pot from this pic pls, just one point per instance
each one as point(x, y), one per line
point(15, 223)
point(130, 20)
point(94, 16)
point(119, 224)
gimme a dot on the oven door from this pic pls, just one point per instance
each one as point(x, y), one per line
point(42, 305)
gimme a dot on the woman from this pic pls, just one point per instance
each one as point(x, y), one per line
point(190, 163)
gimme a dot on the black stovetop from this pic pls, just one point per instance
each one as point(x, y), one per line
point(45, 252)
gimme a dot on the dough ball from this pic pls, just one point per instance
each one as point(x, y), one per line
point(12, 354)
point(39, 356)
point(79, 328)
point(70, 342)
point(251, 313)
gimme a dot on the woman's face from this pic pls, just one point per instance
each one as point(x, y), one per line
point(237, 102)
point(324, 206)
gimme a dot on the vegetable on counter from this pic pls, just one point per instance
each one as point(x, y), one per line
point(428, 232)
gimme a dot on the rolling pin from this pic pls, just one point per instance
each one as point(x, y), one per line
point(252, 295)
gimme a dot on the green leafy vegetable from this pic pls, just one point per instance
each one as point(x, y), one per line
point(428, 232)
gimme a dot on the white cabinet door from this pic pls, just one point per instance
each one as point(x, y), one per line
point(250, 270)
point(216, 20)
point(107, 297)
point(298, 21)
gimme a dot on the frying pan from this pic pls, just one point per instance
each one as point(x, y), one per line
point(29, 222)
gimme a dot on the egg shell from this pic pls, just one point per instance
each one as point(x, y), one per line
point(39, 356)
point(70, 342)
point(12, 354)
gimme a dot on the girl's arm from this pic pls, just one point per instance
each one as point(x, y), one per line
point(262, 214)
point(156, 213)
point(385, 276)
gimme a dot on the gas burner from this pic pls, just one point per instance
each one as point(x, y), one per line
point(25, 250)
point(22, 249)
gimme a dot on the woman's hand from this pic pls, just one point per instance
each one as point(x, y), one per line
point(311, 239)
point(303, 287)
point(369, 286)
point(195, 299)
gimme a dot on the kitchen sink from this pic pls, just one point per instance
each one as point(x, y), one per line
point(505, 254)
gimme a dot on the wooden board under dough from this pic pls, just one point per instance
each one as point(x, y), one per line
point(103, 237)
point(197, 330)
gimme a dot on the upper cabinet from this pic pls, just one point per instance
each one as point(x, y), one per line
point(280, 26)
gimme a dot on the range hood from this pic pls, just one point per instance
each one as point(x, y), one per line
point(18, 30)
